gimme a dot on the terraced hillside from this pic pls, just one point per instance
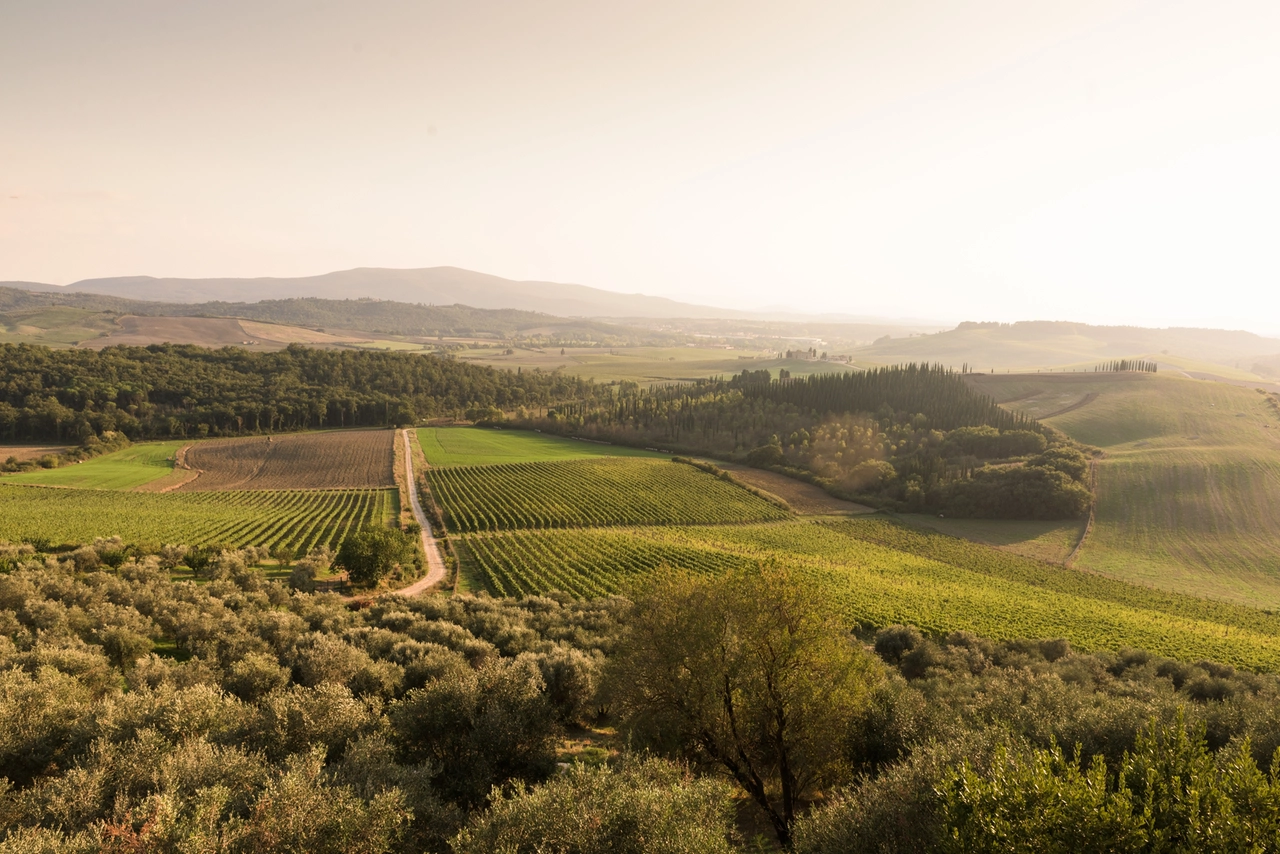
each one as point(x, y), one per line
point(1188, 495)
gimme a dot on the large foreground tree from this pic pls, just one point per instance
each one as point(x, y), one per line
point(751, 672)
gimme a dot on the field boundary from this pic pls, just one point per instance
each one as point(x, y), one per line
point(179, 464)
point(1093, 507)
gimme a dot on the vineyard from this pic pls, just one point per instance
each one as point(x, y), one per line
point(879, 573)
point(582, 563)
point(601, 492)
point(297, 519)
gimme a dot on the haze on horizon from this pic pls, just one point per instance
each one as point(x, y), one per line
point(1107, 162)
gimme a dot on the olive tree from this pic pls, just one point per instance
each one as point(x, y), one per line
point(750, 672)
point(370, 553)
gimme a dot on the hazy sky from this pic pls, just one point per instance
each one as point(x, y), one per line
point(1107, 161)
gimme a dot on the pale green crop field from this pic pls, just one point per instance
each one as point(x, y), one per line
point(1189, 490)
point(478, 446)
point(122, 470)
point(877, 573)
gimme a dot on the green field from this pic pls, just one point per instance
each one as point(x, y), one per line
point(1189, 490)
point(474, 446)
point(121, 470)
point(298, 519)
point(879, 573)
point(600, 492)
point(59, 326)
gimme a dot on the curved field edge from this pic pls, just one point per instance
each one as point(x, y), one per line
point(133, 467)
point(298, 519)
point(874, 584)
point(1188, 494)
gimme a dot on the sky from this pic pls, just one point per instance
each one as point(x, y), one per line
point(1105, 162)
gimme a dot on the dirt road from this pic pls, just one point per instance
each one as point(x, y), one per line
point(435, 563)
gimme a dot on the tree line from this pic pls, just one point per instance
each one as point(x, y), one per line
point(1118, 365)
point(179, 391)
point(913, 437)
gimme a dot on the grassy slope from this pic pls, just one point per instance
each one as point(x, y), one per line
point(1047, 541)
point(122, 470)
point(1189, 492)
point(470, 446)
point(53, 327)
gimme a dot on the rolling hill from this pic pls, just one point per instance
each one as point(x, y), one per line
point(1045, 344)
point(1188, 493)
point(72, 318)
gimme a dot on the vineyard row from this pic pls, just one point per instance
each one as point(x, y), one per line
point(299, 520)
point(874, 584)
point(590, 493)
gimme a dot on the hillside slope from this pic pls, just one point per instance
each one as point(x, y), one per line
point(1044, 344)
point(1189, 491)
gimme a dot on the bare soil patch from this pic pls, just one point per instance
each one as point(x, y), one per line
point(348, 459)
point(28, 452)
point(804, 498)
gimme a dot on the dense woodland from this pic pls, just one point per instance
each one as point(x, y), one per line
point(184, 391)
point(911, 438)
point(142, 714)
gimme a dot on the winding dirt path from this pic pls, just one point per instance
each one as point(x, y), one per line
point(435, 563)
point(1084, 401)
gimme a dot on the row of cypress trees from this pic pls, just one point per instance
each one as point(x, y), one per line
point(1118, 365)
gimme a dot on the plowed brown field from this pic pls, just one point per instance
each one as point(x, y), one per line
point(349, 459)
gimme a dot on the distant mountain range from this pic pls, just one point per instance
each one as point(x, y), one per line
point(431, 285)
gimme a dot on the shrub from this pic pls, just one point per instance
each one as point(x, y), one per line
point(643, 807)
